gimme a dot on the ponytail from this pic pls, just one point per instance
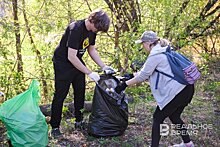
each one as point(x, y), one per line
point(164, 42)
point(161, 41)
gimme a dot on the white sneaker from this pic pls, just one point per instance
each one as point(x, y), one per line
point(190, 144)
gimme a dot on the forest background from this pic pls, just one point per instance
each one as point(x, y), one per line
point(31, 30)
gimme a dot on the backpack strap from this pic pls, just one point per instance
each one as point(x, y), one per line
point(168, 50)
point(157, 80)
point(164, 74)
point(158, 77)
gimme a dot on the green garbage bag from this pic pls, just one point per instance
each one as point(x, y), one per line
point(26, 125)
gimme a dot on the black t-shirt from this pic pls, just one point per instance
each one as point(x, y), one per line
point(76, 36)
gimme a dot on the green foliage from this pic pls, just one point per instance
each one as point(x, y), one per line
point(212, 86)
point(65, 109)
point(102, 141)
point(140, 92)
point(89, 95)
point(210, 74)
point(205, 69)
point(48, 20)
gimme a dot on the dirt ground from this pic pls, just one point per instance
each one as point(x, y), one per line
point(202, 113)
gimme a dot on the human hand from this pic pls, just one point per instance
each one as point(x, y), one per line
point(121, 87)
point(108, 69)
point(128, 76)
point(136, 73)
point(94, 76)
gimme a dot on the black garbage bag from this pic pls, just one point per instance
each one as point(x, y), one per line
point(109, 115)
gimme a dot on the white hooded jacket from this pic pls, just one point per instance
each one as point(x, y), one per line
point(167, 88)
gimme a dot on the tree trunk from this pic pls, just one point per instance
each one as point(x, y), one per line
point(17, 36)
point(38, 54)
point(126, 14)
point(126, 19)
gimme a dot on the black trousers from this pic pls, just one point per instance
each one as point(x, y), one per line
point(66, 75)
point(173, 110)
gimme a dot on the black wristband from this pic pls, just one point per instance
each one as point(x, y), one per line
point(125, 84)
point(121, 87)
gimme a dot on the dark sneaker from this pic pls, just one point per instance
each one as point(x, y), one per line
point(55, 133)
point(80, 125)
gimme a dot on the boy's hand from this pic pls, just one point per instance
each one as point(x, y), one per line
point(108, 69)
point(94, 76)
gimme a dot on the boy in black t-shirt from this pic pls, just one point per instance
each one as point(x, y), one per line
point(69, 67)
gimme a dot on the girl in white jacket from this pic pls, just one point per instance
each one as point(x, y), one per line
point(171, 96)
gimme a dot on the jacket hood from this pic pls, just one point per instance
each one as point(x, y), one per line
point(157, 49)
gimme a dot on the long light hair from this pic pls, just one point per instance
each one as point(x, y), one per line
point(164, 42)
point(161, 41)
